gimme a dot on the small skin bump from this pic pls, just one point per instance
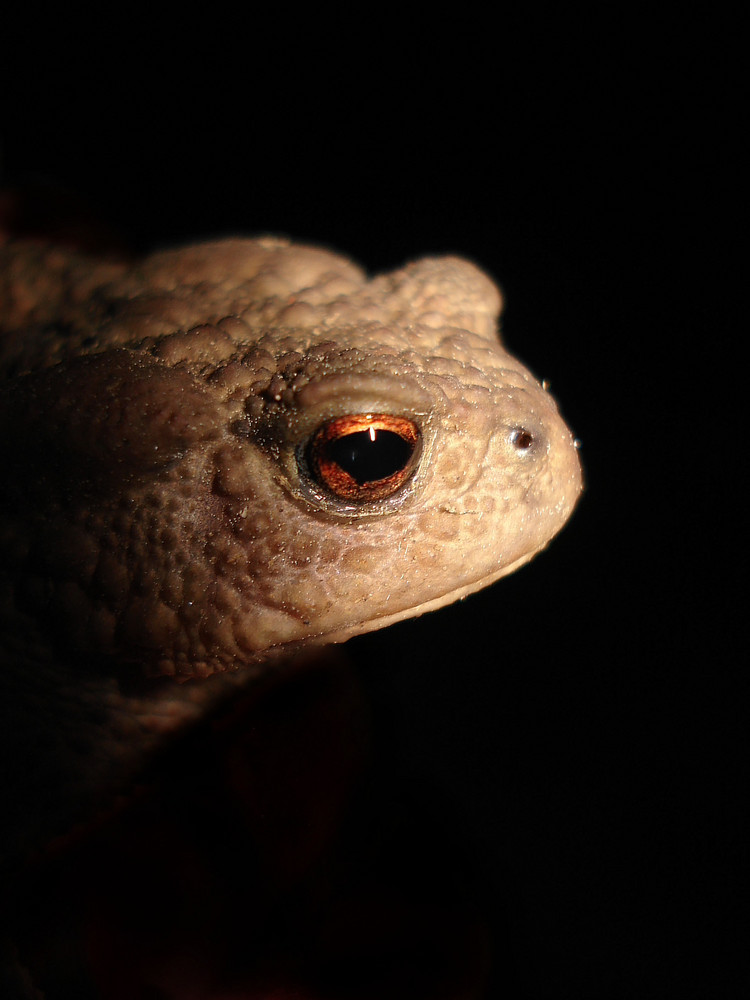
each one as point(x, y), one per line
point(362, 560)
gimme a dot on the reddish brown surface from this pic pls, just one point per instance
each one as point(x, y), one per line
point(45, 211)
point(265, 862)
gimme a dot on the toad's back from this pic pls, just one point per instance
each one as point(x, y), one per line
point(229, 451)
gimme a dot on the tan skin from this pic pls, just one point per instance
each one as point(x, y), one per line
point(222, 456)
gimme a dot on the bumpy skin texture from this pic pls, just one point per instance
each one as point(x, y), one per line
point(158, 517)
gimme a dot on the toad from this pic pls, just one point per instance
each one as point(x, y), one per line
point(222, 455)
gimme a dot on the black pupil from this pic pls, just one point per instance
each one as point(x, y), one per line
point(366, 460)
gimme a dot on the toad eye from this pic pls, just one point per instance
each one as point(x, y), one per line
point(363, 457)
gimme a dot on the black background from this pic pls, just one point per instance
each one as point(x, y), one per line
point(576, 726)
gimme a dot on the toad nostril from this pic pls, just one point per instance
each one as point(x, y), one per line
point(521, 439)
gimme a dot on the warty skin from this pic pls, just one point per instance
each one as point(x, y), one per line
point(165, 530)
